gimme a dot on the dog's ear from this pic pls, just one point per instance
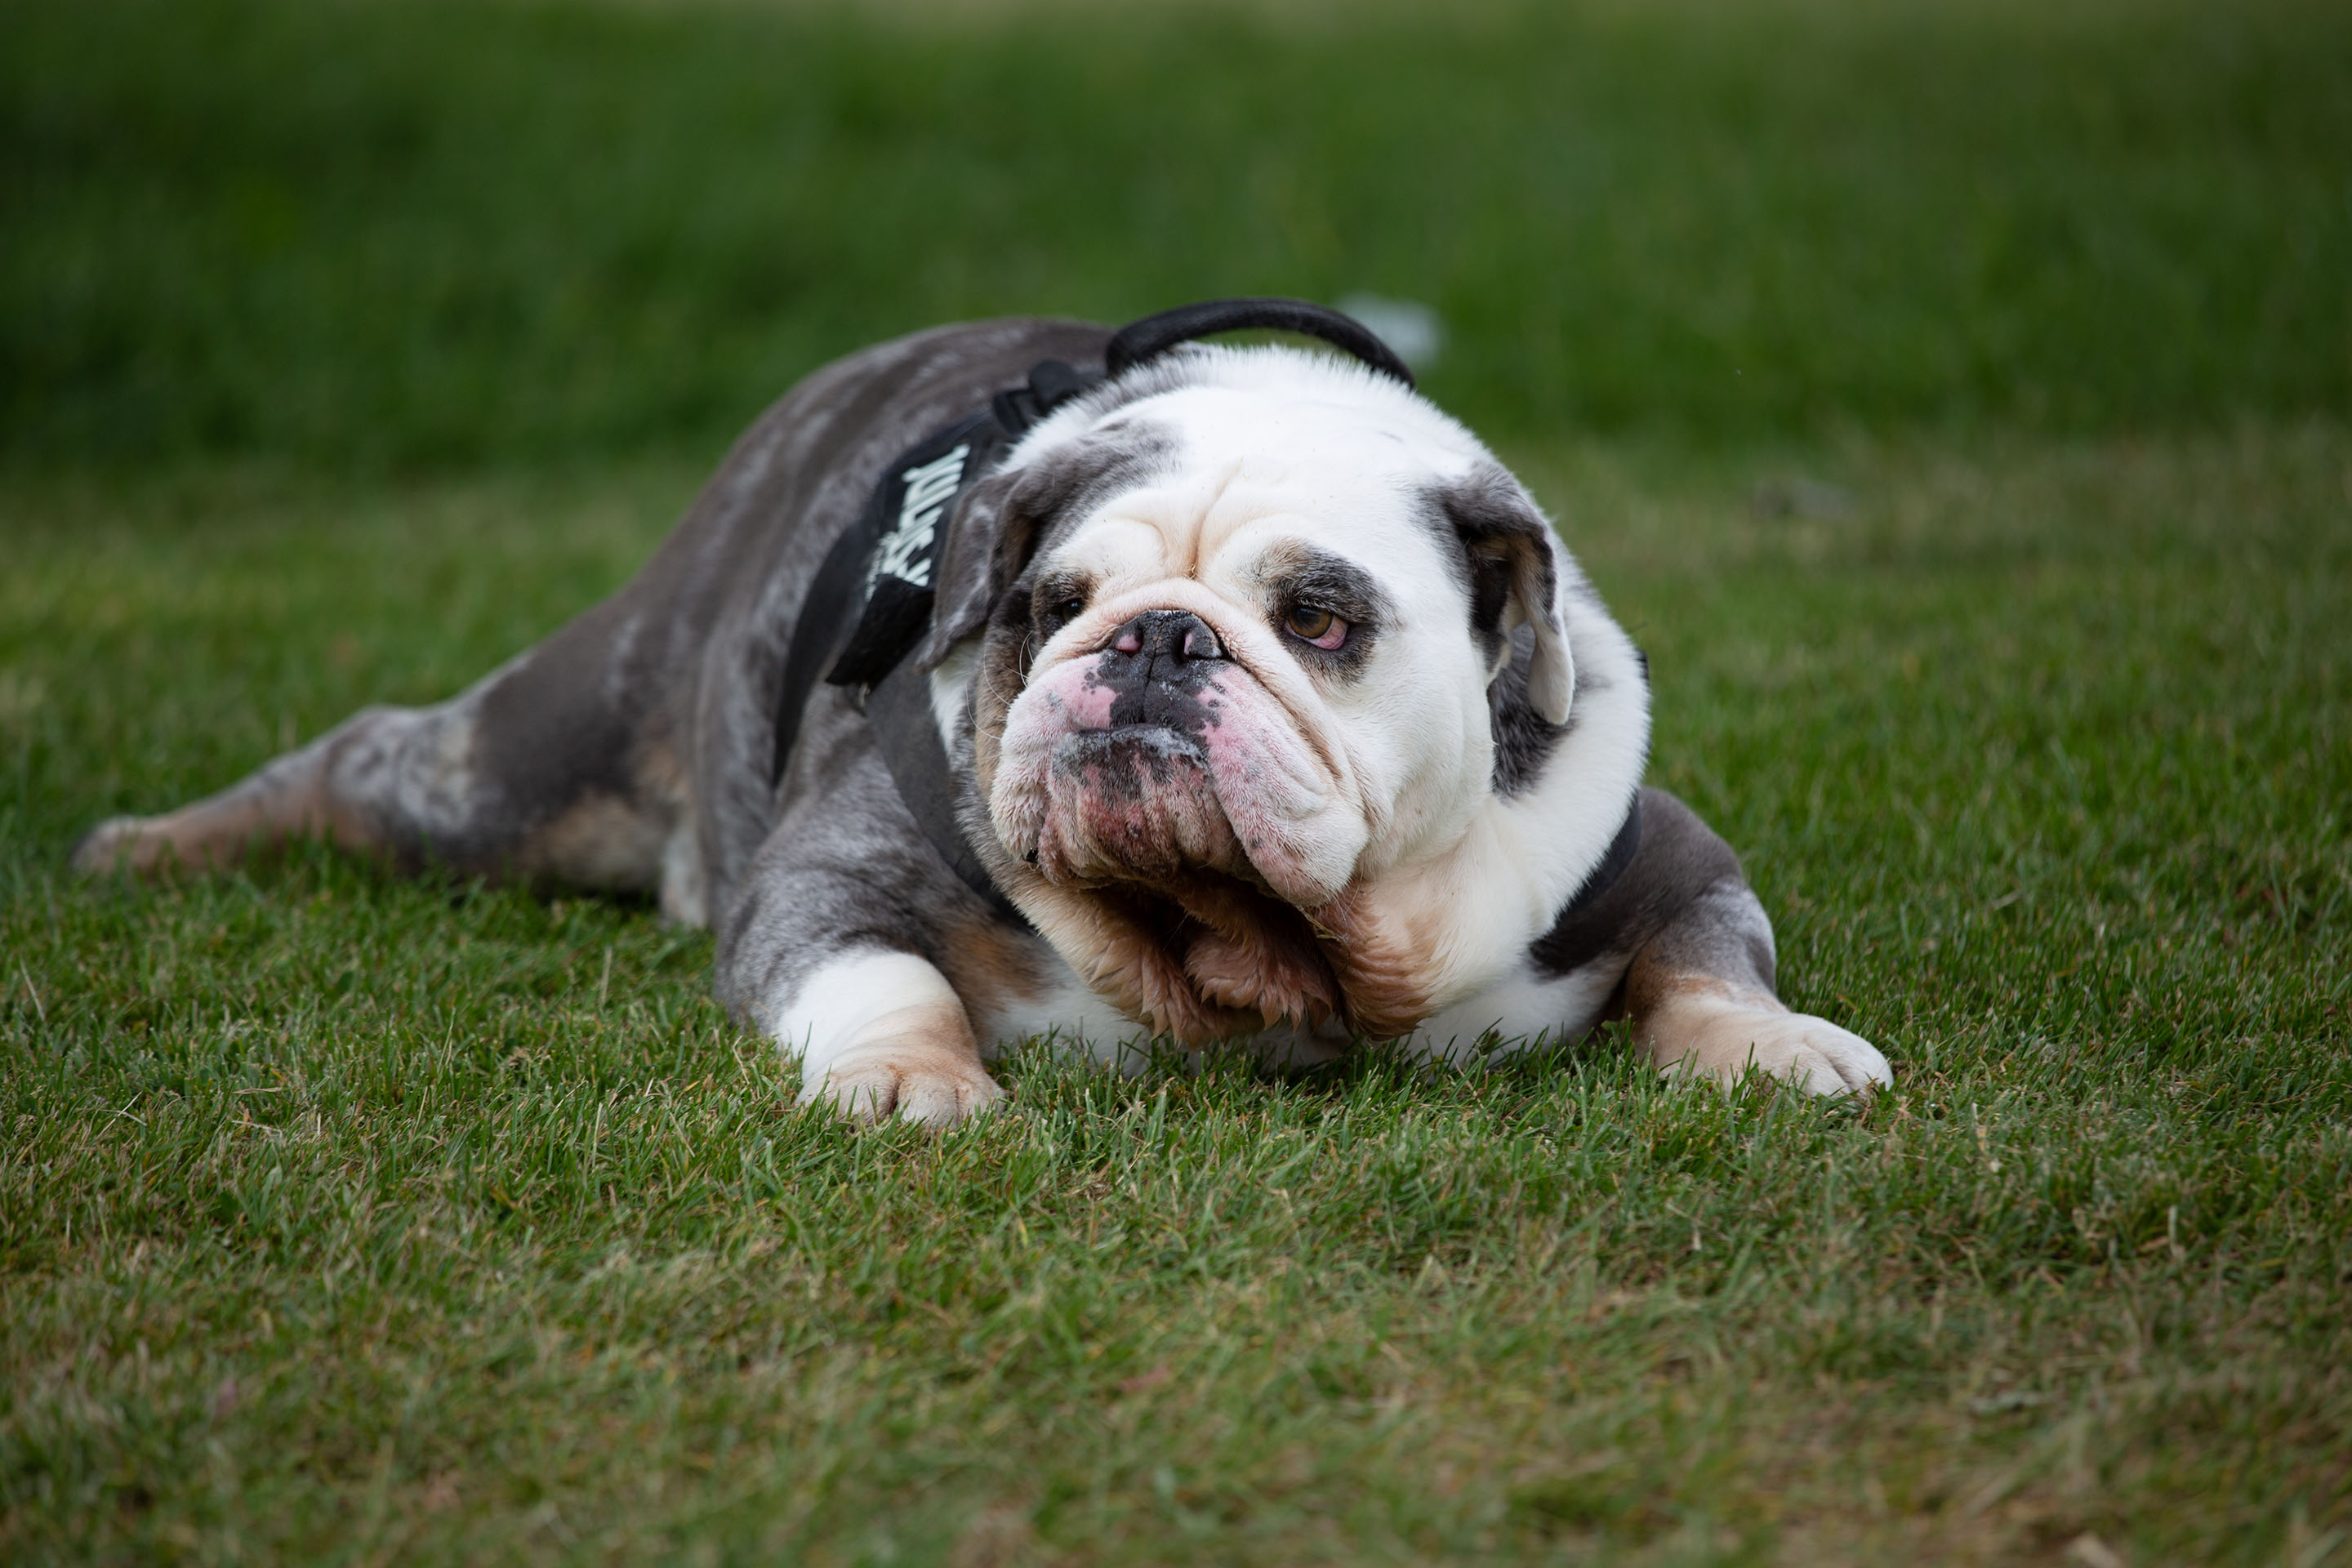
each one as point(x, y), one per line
point(1004, 517)
point(1515, 579)
point(990, 540)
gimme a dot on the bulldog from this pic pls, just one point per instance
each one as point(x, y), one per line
point(1177, 692)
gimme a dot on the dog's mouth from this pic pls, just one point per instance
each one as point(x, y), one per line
point(1134, 803)
point(1134, 818)
point(1252, 961)
point(1198, 826)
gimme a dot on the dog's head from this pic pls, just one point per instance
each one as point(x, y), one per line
point(1241, 613)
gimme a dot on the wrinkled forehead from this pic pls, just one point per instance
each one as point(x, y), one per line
point(1237, 474)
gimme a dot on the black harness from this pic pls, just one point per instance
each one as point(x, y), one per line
point(870, 601)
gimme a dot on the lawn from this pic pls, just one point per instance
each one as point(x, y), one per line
point(1955, 400)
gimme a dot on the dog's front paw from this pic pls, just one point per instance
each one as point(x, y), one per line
point(1717, 1037)
point(918, 1064)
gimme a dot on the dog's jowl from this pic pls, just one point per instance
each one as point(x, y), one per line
point(1219, 694)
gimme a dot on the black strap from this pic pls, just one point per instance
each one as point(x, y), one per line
point(907, 735)
point(1604, 876)
point(825, 611)
point(1155, 335)
point(907, 524)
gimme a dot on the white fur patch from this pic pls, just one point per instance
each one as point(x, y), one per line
point(1069, 1016)
point(952, 689)
point(821, 1017)
point(1523, 857)
point(682, 897)
point(1523, 1010)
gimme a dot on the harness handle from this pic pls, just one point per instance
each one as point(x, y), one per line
point(1154, 335)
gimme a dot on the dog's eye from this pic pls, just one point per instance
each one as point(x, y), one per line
point(1313, 624)
point(1069, 609)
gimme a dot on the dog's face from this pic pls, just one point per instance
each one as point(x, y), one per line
point(1241, 632)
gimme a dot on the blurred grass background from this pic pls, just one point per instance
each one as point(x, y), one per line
point(422, 234)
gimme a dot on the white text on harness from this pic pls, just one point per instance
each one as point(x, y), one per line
point(906, 551)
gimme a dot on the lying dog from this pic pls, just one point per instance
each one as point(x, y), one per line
point(1214, 693)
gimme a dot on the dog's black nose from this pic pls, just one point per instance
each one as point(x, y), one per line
point(1173, 635)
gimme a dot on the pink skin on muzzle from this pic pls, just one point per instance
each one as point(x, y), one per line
point(1243, 796)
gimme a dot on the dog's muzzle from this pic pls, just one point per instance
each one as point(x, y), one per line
point(1159, 756)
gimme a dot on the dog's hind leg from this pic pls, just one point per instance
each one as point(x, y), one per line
point(539, 771)
point(288, 797)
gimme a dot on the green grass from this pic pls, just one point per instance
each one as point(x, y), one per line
point(346, 349)
point(347, 1217)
